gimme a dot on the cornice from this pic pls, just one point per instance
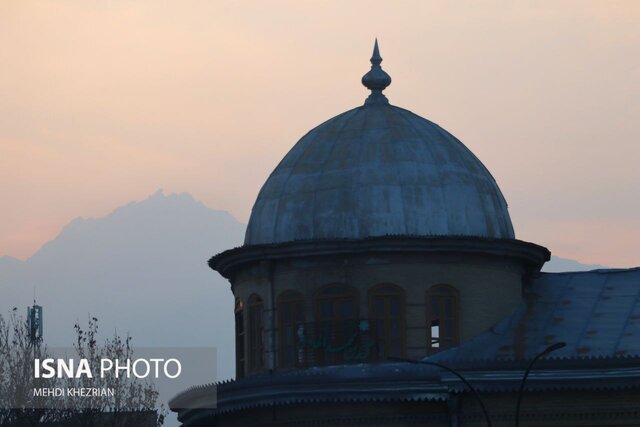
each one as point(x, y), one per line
point(532, 255)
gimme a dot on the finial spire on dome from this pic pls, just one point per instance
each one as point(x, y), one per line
point(376, 79)
point(376, 58)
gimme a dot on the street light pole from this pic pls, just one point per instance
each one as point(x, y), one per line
point(551, 348)
point(454, 372)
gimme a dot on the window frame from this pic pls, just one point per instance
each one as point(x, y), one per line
point(441, 292)
point(293, 297)
point(399, 292)
point(338, 325)
point(240, 332)
point(256, 354)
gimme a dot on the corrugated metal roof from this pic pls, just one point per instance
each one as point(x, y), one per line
point(398, 381)
point(342, 383)
point(596, 313)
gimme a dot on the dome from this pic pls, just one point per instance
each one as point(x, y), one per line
point(378, 170)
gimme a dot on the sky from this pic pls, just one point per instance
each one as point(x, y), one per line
point(106, 102)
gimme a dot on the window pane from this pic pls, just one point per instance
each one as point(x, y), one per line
point(447, 328)
point(347, 309)
point(435, 308)
point(448, 307)
point(395, 329)
point(256, 359)
point(287, 335)
point(395, 306)
point(326, 309)
point(239, 342)
point(350, 328)
point(286, 312)
point(379, 306)
point(299, 315)
point(396, 348)
point(435, 329)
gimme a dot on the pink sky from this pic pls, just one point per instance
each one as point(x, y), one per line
point(105, 102)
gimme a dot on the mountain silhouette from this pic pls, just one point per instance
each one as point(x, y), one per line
point(557, 264)
point(142, 269)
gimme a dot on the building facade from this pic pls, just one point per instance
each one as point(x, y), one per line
point(381, 240)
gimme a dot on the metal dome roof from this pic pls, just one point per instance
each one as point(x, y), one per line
point(378, 170)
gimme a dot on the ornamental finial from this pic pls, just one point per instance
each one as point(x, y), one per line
point(376, 79)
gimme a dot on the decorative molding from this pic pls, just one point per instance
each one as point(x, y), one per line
point(532, 255)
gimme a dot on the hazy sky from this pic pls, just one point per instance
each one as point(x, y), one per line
point(104, 102)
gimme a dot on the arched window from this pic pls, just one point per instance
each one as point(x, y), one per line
point(239, 316)
point(256, 333)
point(336, 324)
point(336, 303)
point(443, 317)
point(386, 309)
point(290, 325)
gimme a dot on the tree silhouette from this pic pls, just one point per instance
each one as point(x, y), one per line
point(133, 403)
